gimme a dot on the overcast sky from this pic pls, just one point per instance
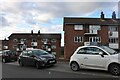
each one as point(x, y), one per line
point(22, 16)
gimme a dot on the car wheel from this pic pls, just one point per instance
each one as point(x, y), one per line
point(74, 66)
point(20, 63)
point(114, 69)
point(4, 60)
point(38, 65)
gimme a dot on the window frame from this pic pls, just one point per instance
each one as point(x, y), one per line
point(78, 39)
point(78, 27)
point(113, 28)
point(113, 40)
point(95, 39)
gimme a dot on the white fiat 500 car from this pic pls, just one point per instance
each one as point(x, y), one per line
point(96, 57)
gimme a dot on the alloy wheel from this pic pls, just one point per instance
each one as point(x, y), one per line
point(115, 69)
point(74, 66)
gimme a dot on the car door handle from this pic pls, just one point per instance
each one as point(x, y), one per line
point(85, 58)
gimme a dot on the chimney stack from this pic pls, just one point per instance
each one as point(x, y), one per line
point(39, 32)
point(102, 15)
point(31, 31)
point(113, 15)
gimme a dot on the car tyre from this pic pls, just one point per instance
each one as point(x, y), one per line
point(74, 66)
point(21, 64)
point(38, 65)
point(114, 69)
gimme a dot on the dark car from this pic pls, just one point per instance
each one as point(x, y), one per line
point(36, 57)
point(8, 55)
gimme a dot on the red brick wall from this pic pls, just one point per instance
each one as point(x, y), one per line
point(69, 45)
point(103, 33)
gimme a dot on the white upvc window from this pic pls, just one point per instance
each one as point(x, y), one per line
point(53, 40)
point(33, 43)
point(94, 39)
point(5, 47)
point(78, 27)
point(53, 46)
point(113, 40)
point(94, 28)
point(78, 39)
point(44, 40)
point(34, 40)
point(15, 40)
point(113, 28)
point(54, 53)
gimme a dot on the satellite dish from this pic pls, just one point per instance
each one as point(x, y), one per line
point(110, 33)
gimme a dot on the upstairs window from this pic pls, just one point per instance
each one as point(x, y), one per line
point(53, 46)
point(53, 40)
point(78, 39)
point(44, 40)
point(113, 28)
point(34, 40)
point(15, 40)
point(78, 27)
point(94, 28)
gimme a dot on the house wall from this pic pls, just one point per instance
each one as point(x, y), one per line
point(70, 46)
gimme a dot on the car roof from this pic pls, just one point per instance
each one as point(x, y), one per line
point(32, 49)
point(88, 46)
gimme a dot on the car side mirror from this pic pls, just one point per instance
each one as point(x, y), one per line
point(101, 53)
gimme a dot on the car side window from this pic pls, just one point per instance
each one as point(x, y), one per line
point(82, 51)
point(93, 51)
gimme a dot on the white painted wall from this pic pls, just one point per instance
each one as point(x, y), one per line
point(114, 34)
point(114, 45)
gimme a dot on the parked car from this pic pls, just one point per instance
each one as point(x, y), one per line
point(8, 55)
point(0, 53)
point(96, 57)
point(36, 57)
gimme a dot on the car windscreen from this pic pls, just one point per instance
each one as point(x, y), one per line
point(109, 50)
point(40, 52)
point(9, 52)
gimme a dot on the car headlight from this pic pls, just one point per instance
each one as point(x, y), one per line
point(40, 58)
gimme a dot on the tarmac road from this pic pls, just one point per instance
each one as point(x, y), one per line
point(60, 70)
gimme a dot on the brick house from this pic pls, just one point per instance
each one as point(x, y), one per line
point(83, 31)
point(48, 42)
point(4, 44)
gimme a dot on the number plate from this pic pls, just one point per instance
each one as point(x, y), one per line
point(52, 61)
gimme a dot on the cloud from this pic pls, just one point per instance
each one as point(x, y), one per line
point(61, 0)
point(3, 21)
point(35, 12)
